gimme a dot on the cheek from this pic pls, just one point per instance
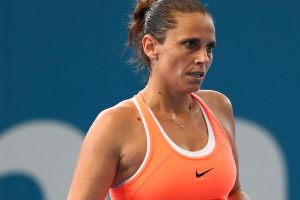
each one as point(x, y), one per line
point(175, 61)
point(180, 60)
point(170, 60)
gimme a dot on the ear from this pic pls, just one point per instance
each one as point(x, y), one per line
point(150, 46)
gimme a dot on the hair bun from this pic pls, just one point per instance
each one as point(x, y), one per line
point(142, 6)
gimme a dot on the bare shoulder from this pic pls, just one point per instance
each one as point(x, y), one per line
point(118, 115)
point(110, 130)
point(101, 151)
point(221, 106)
point(217, 101)
point(115, 122)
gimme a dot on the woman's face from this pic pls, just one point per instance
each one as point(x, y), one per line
point(186, 54)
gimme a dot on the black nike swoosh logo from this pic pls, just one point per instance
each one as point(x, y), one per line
point(203, 173)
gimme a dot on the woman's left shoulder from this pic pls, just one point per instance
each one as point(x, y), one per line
point(215, 100)
point(221, 106)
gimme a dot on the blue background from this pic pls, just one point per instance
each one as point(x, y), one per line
point(65, 60)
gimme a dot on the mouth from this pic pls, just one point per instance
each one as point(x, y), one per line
point(196, 74)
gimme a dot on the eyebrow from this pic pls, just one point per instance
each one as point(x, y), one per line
point(190, 39)
point(214, 43)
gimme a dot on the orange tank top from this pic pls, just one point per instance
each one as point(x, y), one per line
point(169, 172)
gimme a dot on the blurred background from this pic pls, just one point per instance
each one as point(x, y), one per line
point(62, 62)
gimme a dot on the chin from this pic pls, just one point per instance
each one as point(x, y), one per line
point(193, 86)
point(193, 89)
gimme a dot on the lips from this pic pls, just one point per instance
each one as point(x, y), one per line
point(196, 74)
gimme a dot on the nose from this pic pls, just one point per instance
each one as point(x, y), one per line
point(203, 57)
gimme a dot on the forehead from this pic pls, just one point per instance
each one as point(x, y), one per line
point(192, 25)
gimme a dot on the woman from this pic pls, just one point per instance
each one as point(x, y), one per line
point(172, 140)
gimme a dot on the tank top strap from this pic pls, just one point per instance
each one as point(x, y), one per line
point(213, 120)
point(144, 111)
point(154, 130)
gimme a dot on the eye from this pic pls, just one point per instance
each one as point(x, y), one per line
point(191, 44)
point(210, 47)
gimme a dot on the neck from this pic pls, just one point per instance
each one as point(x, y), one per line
point(162, 99)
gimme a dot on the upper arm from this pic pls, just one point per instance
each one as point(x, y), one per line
point(98, 159)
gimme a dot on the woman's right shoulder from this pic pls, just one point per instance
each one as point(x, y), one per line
point(119, 114)
point(112, 129)
point(103, 147)
point(116, 121)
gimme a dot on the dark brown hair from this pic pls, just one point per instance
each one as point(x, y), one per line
point(155, 17)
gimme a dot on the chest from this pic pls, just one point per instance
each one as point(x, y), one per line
point(193, 137)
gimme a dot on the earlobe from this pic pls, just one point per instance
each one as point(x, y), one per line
point(150, 46)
